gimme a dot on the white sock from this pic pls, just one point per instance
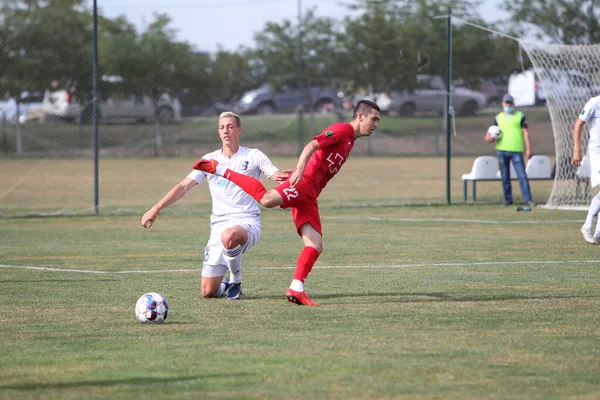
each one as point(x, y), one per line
point(297, 286)
point(222, 288)
point(220, 170)
point(233, 259)
point(592, 212)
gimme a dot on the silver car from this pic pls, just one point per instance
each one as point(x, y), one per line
point(119, 104)
point(429, 98)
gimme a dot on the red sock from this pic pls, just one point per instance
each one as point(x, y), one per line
point(250, 185)
point(307, 258)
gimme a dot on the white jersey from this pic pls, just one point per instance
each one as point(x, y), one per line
point(229, 202)
point(591, 115)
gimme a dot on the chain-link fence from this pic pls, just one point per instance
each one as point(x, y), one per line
point(160, 98)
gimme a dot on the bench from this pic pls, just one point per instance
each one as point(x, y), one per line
point(485, 168)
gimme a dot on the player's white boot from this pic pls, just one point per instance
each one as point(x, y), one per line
point(588, 235)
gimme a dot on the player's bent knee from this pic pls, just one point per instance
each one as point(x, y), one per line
point(207, 293)
point(318, 247)
point(208, 288)
point(228, 240)
point(232, 237)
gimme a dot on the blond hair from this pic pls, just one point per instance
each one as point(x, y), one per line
point(231, 114)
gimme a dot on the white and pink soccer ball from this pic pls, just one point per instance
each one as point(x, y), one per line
point(152, 308)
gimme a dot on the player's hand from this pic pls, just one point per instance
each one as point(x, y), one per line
point(148, 219)
point(489, 138)
point(282, 176)
point(577, 157)
point(529, 154)
point(295, 177)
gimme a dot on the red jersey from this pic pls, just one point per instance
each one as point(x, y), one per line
point(335, 144)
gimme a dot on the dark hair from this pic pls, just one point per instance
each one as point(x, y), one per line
point(365, 107)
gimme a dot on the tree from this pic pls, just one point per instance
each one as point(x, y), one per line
point(231, 75)
point(477, 54)
point(154, 62)
point(400, 39)
point(43, 40)
point(381, 48)
point(561, 21)
point(276, 57)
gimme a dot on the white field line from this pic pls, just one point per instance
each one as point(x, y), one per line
point(462, 221)
point(163, 271)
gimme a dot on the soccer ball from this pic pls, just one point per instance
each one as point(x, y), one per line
point(152, 307)
point(494, 131)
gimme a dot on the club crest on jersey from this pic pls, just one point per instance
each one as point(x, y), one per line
point(224, 183)
point(329, 133)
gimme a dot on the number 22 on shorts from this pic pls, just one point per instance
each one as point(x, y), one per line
point(290, 193)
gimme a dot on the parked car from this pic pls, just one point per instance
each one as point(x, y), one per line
point(429, 98)
point(116, 103)
point(383, 99)
point(567, 85)
point(196, 106)
point(494, 89)
point(266, 100)
point(29, 102)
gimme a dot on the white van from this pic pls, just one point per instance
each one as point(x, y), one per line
point(118, 105)
point(525, 88)
point(567, 86)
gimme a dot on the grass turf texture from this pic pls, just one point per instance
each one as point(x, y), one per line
point(460, 302)
point(131, 186)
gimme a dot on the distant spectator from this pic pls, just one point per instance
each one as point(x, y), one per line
point(510, 147)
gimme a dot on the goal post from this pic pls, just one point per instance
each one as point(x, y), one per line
point(569, 76)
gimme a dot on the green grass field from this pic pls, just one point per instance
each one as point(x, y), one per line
point(468, 301)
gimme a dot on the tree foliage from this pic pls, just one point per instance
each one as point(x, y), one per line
point(382, 46)
point(41, 39)
point(561, 21)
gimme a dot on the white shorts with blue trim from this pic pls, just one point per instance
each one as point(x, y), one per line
point(214, 263)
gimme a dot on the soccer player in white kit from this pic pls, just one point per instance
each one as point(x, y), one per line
point(591, 115)
point(235, 219)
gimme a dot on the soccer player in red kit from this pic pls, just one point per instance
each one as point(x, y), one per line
point(319, 161)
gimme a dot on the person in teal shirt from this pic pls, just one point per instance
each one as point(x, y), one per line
point(513, 142)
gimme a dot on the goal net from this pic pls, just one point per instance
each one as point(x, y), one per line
point(568, 76)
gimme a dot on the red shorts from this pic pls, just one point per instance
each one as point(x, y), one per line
point(302, 199)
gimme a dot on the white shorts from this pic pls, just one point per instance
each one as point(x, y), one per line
point(214, 263)
point(593, 157)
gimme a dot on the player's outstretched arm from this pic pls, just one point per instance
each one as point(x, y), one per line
point(307, 152)
point(174, 194)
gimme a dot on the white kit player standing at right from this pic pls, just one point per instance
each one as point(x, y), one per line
point(591, 115)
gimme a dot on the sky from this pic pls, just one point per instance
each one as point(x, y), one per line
point(229, 24)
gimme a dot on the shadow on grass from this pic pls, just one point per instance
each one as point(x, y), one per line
point(60, 280)
point(400, 297)
point(442, 297)
point(334, 296)
point(146, 381)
